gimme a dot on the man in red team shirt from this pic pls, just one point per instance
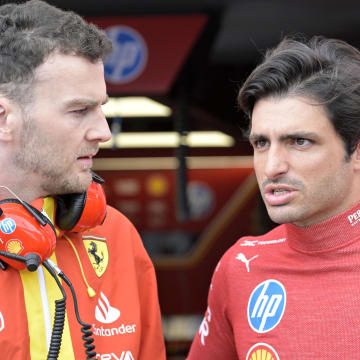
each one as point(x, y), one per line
point(52, 89)
point(293, 293)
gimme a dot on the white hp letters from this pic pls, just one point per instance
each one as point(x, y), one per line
point(265, 307)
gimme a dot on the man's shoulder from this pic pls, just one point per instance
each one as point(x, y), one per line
point(115, 223)
point(115, 216)
point(248, 247)
point(273, 237)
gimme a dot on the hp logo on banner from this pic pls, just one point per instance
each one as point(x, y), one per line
point(128, 57)
point(266, 306)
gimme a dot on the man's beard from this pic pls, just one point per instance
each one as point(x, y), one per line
point(37, 155)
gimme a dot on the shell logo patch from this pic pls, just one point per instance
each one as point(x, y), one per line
point(262, 351)
point(14, 246)
point(97, 251)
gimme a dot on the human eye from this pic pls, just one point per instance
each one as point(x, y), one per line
point(302, 142)
point(80, 111)
point(260, 144)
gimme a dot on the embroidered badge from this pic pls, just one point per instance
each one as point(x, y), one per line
point(97, 251)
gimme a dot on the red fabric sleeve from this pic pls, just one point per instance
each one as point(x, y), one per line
point(214, 339)
point(152, 339)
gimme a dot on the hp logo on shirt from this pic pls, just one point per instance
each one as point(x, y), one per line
point(266, 306)
point(128, 57)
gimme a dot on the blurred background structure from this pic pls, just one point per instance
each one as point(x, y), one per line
point(177, 165)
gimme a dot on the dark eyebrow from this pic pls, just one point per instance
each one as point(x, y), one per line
point(295, 135)
point(300, 135)
point(84, 102)
point(256, 137)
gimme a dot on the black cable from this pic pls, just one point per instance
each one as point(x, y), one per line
point(85, 329)
point(59, 317)
point(32, 262)
point(60, 306)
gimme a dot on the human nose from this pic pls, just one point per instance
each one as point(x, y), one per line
point(276, 163)
point(100, 130)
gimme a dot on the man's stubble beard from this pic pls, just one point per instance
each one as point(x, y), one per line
point(37, 156)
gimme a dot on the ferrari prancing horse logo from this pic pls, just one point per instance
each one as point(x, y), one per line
point(97, 251)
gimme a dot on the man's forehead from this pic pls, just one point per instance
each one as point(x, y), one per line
point(288, 115)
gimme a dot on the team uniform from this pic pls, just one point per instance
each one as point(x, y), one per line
point(293, 293)
point(124, 314)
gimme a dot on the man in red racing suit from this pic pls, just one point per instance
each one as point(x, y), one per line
point(124, 312)
point(294, 292)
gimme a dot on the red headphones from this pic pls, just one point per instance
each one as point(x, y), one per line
point(24, 230)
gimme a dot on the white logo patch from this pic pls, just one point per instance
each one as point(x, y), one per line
point(243, 259)
point(2, 322)
point(125, 355)
point(204, 326)
point(354, 218)
point(264, 242)
point(104, 312)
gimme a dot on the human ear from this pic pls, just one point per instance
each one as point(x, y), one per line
point(356, 157)
point(6, 123)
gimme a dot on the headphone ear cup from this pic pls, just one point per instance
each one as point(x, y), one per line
point(69, 208)
point(22, 234)
point(82, 211)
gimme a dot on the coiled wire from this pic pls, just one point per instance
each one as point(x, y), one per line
point(59, 318)
point(85, 329)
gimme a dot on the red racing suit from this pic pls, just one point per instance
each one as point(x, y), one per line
point(293, 293)
point(124, 314)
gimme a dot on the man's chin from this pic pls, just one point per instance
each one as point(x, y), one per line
point(84, 182)
point(282, 215)
point(78, 184)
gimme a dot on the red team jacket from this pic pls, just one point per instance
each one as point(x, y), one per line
point(124, 314)
point(293, 293)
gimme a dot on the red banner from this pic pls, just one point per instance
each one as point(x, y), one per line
point(148, 51)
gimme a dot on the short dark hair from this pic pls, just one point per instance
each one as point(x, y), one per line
point(31, 31)
point(325, 71)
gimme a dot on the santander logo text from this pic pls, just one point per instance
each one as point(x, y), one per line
point(104, 312)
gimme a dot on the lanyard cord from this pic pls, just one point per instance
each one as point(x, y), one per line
point(90, 290)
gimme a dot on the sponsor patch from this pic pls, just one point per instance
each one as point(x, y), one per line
point(262, 351)
point(241, 257)
point(97, 251)
point(204, 326)
point(262, 242)
point(107, 314)
point(7, 226)
point(120, 330)
point(2, 322)
point(354, 218)
point(104, 312)
point(14, 246)
point(266, 306)
point(125, 355)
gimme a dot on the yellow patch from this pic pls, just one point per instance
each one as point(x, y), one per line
point(97, 251)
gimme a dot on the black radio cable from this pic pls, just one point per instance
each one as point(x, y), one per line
point(32, 262)
point(59, 317)
point(85, 329)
